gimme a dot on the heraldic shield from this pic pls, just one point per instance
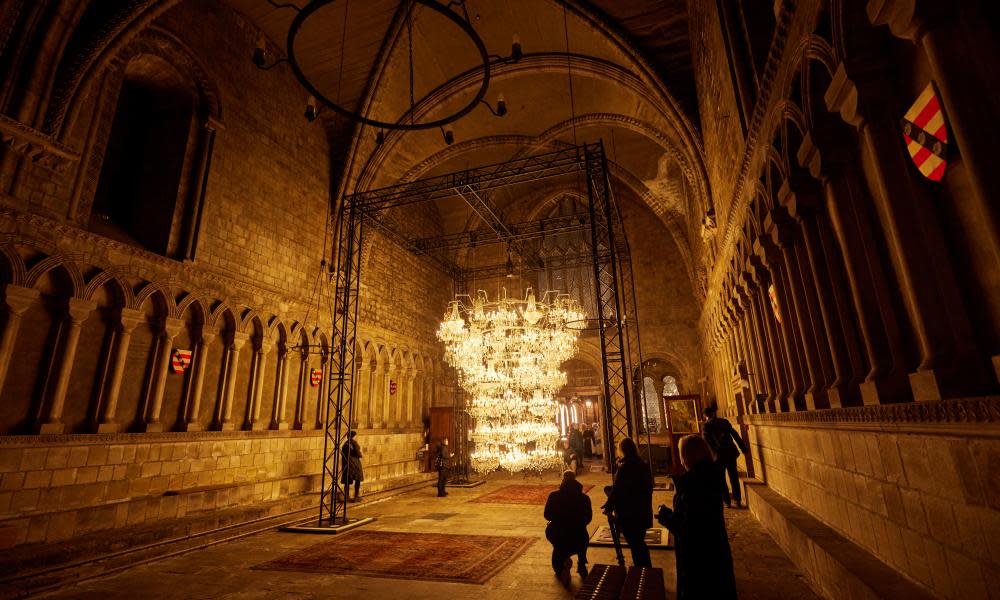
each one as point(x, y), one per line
point(926, 135)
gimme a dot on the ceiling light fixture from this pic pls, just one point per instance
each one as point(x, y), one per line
point(319, 100)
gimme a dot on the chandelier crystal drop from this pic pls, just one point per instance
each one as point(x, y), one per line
point(508, 354)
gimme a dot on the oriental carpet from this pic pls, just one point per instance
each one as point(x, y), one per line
point(522, 494)
point(426, 556)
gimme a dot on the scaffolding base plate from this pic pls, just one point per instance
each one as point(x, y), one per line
point(329, 529)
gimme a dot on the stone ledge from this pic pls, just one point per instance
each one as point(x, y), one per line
point(836, 567)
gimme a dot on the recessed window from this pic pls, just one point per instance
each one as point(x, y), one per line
point(140, 197)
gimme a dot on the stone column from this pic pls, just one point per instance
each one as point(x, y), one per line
point(968, 91)
point(304, 387)
point(258, 369)
point(77, 312)
point(950, 364)
point(756, 335)
point(154, 402)
point(780, 226)
point(278, 420)
point(387, 407)
point(128, 320)
point(871, 306)
point(224, 412)
point(802, 204)
point(192, 399)
point(18, 299)
point(754, 366)
point(766, 250)
point(769, 357)
point(324, 386)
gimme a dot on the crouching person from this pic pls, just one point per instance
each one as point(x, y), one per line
point(568, 512)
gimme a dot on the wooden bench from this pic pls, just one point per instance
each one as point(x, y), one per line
point(611, 582)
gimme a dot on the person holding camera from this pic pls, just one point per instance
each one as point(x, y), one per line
point(631, 500)
point(701, 544)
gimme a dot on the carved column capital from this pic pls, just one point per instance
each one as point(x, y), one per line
point(910, 19)
point(171, 327)
point(128, 319)
point(78, 310)
point(779, 225)
point(239, 339)
point(800, 195)
point(19, 299)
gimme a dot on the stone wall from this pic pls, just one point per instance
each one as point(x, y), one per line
point(90, 322)
point(57, 488)
point(924, 500)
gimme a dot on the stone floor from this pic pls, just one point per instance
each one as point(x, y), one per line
point(222, 571)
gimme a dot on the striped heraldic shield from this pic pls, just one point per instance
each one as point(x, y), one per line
point(926, 134)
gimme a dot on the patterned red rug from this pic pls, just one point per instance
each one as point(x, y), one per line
point(427, 556)
point(522, 494)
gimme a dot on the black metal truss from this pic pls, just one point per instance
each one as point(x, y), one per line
point(607, 253)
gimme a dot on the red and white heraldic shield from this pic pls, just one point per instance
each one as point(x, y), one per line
point(926, 134)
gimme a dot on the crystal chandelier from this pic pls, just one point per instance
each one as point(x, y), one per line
point(508, 354)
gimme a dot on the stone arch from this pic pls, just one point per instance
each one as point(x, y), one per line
point(111, 279)
point(68, 269)
point(129, 34)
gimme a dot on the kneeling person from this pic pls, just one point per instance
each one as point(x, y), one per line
point(568, 512)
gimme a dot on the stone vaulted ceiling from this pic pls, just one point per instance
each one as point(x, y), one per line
point(627, 63)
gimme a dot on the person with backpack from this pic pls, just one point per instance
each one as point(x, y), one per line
point(726, 443)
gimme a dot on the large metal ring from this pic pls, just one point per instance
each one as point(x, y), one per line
point(315, 5)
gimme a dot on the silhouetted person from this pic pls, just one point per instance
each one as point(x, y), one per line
point(571, 460)
point(631, 500)
point(701, 546)
point(350, 453)
point(568, 512)
point(443, 463)
point(588, 441)
point(576, 440)
point(726, 443)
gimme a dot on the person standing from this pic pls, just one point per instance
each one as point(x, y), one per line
point(631, 500)
point(350, 453)
point(568, 512)
point(443, 463)
point(576, 441)
point(701, 545)
point(726, 443)
point(588, 441)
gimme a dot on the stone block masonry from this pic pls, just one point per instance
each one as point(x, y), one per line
point(62, 487)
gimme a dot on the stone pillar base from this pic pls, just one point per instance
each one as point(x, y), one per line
point(192, 427)
point(153, 427)
point(257, 426)
point(926, 386)
point(230, 426)
point(282, 426)
point(51, 428)
point(108, 428)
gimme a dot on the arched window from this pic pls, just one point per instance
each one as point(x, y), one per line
point(145, 192)
point(670, 386)
point(578, 282)
point(650, 405)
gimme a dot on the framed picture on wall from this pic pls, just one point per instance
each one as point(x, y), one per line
point(684, 414)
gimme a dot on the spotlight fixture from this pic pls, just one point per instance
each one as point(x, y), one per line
point(448, 135)
point(312, 111)
point(379, 138)
point(501, 109)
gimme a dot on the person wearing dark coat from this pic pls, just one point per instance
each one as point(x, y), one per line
point(588, 442)
point(568, 512)
point(443, 464)
point(701, 545)
point(631, 499)
point(726, 443)
point(350, 453)
point(571, 460)
point(576, 441)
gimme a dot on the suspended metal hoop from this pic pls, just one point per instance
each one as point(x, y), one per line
point(310, 9)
